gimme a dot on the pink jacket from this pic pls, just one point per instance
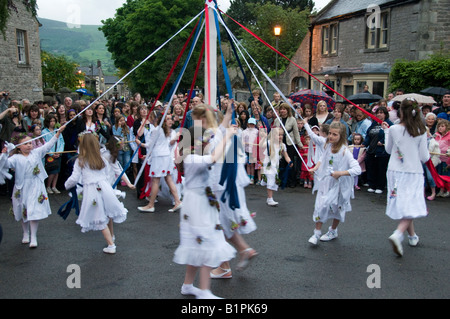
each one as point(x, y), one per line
point(444, 144)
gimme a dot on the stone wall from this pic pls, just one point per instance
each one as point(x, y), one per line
point(23, 81)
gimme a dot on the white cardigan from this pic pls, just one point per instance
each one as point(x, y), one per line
point(407, 152)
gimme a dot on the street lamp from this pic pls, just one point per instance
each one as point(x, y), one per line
point(277, 32)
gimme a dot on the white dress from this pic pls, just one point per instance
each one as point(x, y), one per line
point(271, 165)
point(165, 191)
point(202, 240)
point(238, 220)
point(333, 195)
point(29, 195)
point(405, 199)
point(160, 161)
point(99, 202)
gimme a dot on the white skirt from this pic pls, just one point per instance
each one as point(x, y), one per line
point(333, 199)
point(31, 202)
point(161, 166)
point(202, 241)
point(238, 220)
point(405, 198)
point(99, 205)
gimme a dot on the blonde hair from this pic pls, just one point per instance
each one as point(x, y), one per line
point(204, 111)
point(89, 149)
point(342, 135)
point(320, 103)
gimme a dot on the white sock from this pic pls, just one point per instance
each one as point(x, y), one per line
point(34, 224)
point(26, 227)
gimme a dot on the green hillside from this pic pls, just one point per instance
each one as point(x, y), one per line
point(84, 45)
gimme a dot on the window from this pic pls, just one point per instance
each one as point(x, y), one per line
point(330, 38)
point(325, 39)
point(21, 36)
point(377, 31)
point(384, 30)
point(378, 88)
point(334, 38)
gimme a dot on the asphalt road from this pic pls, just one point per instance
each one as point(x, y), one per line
point(359, 264)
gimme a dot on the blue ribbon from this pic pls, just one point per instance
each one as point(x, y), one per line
point(65, 209)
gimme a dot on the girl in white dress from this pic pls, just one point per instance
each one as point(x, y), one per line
point(161, 164)
point(335, 174)
point(202, 241)
point(271, 163)
point(407, 144)
point(29, 196)
point(99, 203)
point(173, 143)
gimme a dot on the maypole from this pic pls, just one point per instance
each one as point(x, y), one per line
point(210, 55)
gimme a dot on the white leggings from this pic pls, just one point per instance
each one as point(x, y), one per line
point(30, 227)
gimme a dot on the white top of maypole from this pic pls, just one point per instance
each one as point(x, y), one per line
point(211, 55)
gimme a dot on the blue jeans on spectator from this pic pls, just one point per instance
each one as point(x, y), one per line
point(124, 157)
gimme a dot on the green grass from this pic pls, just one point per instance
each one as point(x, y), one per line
point(84, 45)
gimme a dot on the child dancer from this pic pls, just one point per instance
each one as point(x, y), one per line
point(177, 180)
point(316, 145)
point(161, 165)
point(407, 144)
point(202, 241)
point(203, 116)
point(100, 203)
point(277, 150)
point(335, 172)
point(359, 154)
point(30, 199)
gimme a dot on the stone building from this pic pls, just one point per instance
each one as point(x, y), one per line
point(20, 56)
point(356, 42)
point(94, 78)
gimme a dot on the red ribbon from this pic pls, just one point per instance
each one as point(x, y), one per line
point(441, 181)
point(282, 55)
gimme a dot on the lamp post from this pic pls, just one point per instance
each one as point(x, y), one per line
point(277, 32)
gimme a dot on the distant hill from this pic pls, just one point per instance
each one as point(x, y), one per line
point(84, 45)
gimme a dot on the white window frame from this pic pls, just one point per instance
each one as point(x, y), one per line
point(21, 42)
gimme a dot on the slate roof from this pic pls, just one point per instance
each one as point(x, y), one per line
point(337, 8)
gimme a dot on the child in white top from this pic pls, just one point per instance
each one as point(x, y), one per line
point(30, 198)
point(407, 144)
point(335, 172)
point(202, 241)
point(100, 203)
point(161, 164)
point(277, 150)
point(318, 139)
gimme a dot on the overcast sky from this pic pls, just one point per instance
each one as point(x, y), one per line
point(76, 12)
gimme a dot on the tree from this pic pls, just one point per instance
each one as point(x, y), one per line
point(243, 11)
point(6, 6)
point(138, 28)
point(58, 72)
point(414, 76)
point(294, 25)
